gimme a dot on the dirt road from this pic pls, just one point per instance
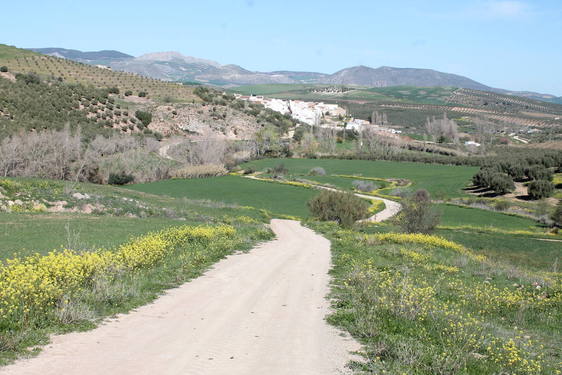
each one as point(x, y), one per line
point(391, 207)
point(256, 313)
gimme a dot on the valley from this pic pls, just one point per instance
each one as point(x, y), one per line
point(370, 221)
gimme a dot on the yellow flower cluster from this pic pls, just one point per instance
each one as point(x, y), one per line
point(37, 282)
point(493, 230)
point(427, 240)
point(376, 206)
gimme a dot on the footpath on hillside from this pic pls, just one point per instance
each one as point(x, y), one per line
point(261, 312)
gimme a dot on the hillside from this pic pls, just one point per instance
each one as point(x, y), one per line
point(173, 66)
point(63, 91)
point(479, 114)
point(94, 57)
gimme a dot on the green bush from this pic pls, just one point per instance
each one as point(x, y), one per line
point(540, 189)
point(144, 117)
point(501, 183)
point(279, 170)
point(29, 78)
point(418, 214)
point(143, 94)
point(113, 90)
point(344, 208)
point(120, 178)
point(128, 93)
point(538, 172)
point(3, 69)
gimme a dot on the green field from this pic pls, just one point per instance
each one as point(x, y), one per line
point(442, 181)
point(538, 253)
point(458, 216)
point(404, 94)
point(277, 198)
point(27, 234)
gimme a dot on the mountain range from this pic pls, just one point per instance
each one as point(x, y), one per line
point(173, 66)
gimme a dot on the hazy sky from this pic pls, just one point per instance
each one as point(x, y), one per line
point(514, 44)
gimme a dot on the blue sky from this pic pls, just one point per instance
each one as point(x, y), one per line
point(512, 44)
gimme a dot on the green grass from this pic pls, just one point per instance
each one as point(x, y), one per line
point(457, 216)
point(26, 234)
point(423, 309)
point(277, 198)
point(442, 181)
point(532, 252)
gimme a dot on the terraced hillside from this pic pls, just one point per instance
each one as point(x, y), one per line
point(24, 61)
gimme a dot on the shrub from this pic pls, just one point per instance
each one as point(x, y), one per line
point(502, 205)
point(538, 172)
point(540, 189)
point(279, 170)
point(128, 93)
point(3, 69)
point(144, 117)
point(120, 178)
point(344, 208)
point(483, 177)
point(317, 171)
point(29, 78)
point(365, 186)
point(143, 94)
point(249, 170)
point(113, 90)
point(501, 183)
point(418, 214)
point(158, 136)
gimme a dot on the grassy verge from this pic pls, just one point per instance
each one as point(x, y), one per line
point(425, 305)
point(68, 290)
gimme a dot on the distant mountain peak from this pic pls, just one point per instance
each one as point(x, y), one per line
point(174, 66)
point(175, 56)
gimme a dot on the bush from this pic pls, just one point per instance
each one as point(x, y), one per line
point(540, 189)
point(365, 186)
point(144, 117)
point(143, 94)
point(29, 78)
point(317, 171)
point(113, 90)
point(418, 214)
point(501, 183)
point(3, 69)
point(128, 93)
point(538, 172)
point(249, 170)
point(120, 178)
point(502, 205)
point(344, 208)
point(279, 170)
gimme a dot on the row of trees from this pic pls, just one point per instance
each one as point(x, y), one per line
point(500, 176)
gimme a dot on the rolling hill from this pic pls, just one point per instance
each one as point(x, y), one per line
point(173, 66)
